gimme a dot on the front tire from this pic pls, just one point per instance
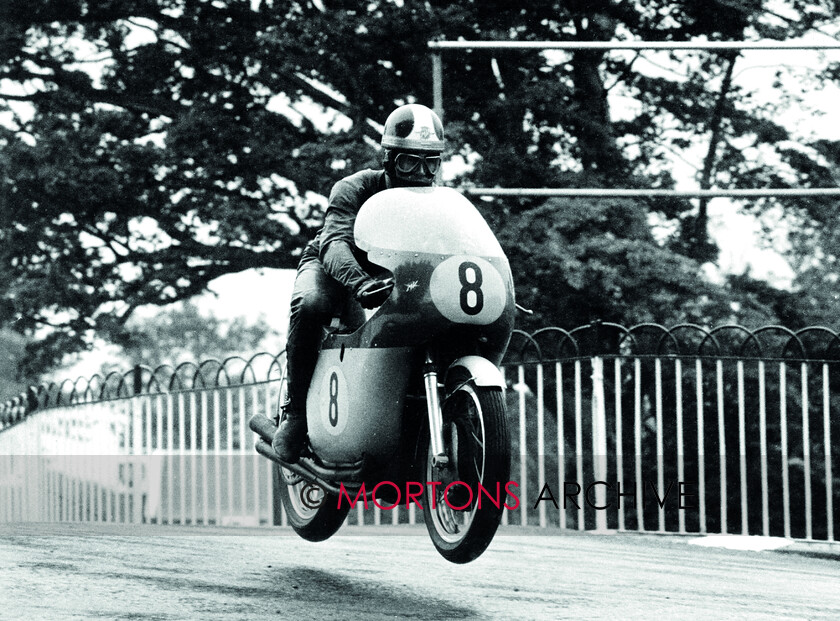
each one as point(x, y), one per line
point(478, 446)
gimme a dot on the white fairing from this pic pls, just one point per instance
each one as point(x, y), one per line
point(424, 220)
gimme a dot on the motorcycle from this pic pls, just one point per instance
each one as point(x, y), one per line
point(413, 397)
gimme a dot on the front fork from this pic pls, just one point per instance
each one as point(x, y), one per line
point(439, 457)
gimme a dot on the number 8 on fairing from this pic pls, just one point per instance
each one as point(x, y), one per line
point(471, 305)
point(468, 290)
point(333, 411)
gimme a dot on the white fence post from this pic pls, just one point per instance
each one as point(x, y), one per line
point(541, 440)
point(561, 442)
point(619, 439)
point(599, 441)
point(829, 482)
point(522, 388)
point(581, 521)
point(660, 450)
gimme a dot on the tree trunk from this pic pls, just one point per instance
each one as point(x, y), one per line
point(700, 235)
point(599, 153)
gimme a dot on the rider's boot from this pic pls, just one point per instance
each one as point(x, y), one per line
point(290, 437)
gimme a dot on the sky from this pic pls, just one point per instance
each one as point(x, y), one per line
point(250, 294)
point(739, 235)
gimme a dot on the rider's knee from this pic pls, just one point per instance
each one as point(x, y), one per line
point(314, 305)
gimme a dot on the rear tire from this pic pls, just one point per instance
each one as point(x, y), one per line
point(478, 446)
point(311, 512)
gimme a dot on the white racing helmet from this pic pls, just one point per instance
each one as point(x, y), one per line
point(413, 127)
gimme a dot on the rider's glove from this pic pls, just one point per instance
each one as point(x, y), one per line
point(373, 292)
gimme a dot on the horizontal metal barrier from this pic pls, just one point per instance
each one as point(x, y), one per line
point(682, 430)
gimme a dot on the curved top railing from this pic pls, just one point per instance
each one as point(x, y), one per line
point(141, 379)
point(550, 344)
point(815, 343)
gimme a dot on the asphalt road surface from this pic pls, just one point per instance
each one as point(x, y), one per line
point(98, 572)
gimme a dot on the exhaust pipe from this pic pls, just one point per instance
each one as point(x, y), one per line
point(263, 426)
point(265, 450)
point(306, 467)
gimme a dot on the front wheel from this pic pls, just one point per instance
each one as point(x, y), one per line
point(464, 501)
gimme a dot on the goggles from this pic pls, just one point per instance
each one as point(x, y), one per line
point(409, 163)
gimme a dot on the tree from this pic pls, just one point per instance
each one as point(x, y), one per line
point(12, 353)
point(186, 334)
point(173, 141)
point(106, 217)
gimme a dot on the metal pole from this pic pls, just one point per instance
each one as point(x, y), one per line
point(660, 441)
point(541, 440)
point(437, 84)
point(651, 193)
point(522, 387)
point(438, 47)
point(783, 439)
point(632, 45)
point(742, 450)
point(581, 515)
point(724, 510)
point(639, 504)
point(561, 439)
point(619, 439)
point(599, 441)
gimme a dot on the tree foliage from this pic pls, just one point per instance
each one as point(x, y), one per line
point(12, 354)
point(187, 334)
point(169, 142)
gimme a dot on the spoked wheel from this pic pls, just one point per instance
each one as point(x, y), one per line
point(311, 511)
point(463, 521)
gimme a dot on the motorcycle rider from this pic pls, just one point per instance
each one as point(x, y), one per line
point(332, 268)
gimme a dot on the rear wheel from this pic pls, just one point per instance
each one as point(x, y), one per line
point(464, 501)
point(311, 511)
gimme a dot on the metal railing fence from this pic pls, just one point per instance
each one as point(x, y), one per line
point(684, 430)
point(737, 426)
point(165, 445)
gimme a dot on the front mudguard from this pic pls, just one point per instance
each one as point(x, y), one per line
point(477, 369)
